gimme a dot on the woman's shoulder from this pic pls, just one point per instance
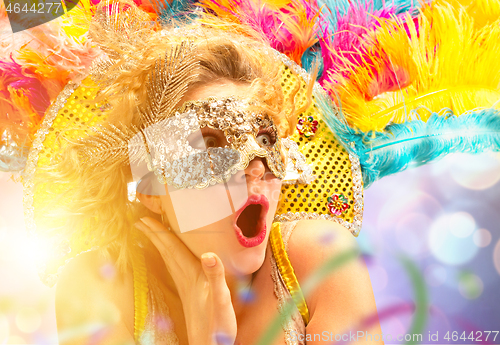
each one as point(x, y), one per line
point(91, 289)
point(316, 240)
point(342, 296)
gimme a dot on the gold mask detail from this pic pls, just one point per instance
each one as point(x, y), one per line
point(179, 156)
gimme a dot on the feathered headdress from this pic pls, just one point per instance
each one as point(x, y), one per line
point(380, 62)
point(401, 83)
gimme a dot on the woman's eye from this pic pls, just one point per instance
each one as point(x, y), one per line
point(210, 141)
point(264, 139)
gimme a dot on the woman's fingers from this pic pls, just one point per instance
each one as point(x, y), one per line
point(214, 270)
point(221, 297)
point(176, 255)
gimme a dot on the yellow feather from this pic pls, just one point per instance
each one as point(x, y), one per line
point(483, 11)
point(451, 63)
point(75, 23)
point(23, 105)
point(277, 3)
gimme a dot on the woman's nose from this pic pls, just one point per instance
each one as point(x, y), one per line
point(256, 169)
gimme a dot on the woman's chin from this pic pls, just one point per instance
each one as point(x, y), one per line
point(246, 262)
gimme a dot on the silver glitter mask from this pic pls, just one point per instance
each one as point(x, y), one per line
point(180, 157)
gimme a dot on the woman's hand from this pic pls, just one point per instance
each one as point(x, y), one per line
point(202, 288)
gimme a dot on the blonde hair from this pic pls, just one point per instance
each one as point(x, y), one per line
point(100, 199)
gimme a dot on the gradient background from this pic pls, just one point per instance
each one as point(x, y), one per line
point(443, 217)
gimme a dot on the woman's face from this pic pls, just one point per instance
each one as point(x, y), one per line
point(231, 219)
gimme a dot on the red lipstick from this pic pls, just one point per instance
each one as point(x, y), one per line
point(252, 218)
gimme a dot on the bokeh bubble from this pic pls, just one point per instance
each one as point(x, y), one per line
point(378, 277)
point(447, 296)
point(395, 314)
point(107, 271)
point(411, 233)
point(4, 329)
point(222, 338)
point(477, 172)
point(326, 238)
point(435, 275)
point(470, 285)
point(413, 201)
point(16, 340)
point(462, 224)
point(482, 238)
point(163, 323)
point(496, 256)
point(6, 304)
point(28, 320)
point(247, 295)
point(394, 326)
point(446, 246)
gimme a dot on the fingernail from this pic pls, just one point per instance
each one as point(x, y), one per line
point(139, 226)
point(208, 260)
point(144, 220)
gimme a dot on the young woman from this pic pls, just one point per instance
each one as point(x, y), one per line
point(172, 158)
point(195, 120)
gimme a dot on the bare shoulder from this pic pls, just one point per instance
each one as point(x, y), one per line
point(342, 299)
point(91, 291)
point(314, 241)
point(312, 244)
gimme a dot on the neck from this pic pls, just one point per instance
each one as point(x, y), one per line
point(240, 287)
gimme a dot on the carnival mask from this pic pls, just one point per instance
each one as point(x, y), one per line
point(204, 143)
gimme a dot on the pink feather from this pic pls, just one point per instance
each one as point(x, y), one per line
point(13, 78)
point(347, 48)
point(290, 29)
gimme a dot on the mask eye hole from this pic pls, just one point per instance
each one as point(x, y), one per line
point(266, 137)
point(207, 137)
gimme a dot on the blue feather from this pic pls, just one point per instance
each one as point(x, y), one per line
point(341, 8)
point(311, 57)
point(178, 10)
point(335, 120)
point(415, 143)
point(336, 8)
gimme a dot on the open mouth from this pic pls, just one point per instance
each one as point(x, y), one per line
point(250, 221)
